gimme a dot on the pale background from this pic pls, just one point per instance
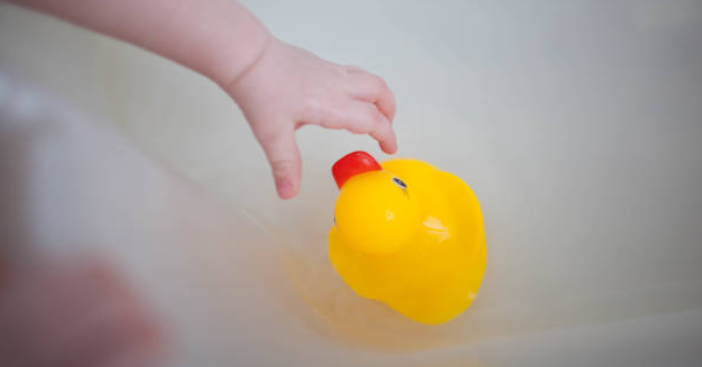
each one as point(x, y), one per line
point(577, 124)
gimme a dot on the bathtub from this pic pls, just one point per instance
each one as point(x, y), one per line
point(577, 124)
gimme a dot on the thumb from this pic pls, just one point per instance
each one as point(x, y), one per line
point(284, 158)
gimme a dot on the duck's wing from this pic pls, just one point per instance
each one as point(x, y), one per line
point(465, 206)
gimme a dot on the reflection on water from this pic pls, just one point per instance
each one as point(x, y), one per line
point(354, 319)
point(508, 304)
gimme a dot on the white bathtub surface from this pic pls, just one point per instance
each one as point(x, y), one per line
point(576, 123)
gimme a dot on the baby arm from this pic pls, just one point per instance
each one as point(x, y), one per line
point(278, 87)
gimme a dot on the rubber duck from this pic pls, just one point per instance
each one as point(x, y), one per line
point(409, 235)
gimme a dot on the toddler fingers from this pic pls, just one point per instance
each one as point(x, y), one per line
point(284, 157)
point(372, 88)
point(385, 136)
point(364, 118)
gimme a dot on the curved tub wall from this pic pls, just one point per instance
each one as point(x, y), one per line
point(577, 125)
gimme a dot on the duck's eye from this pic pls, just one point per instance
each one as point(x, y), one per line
point(399, 183)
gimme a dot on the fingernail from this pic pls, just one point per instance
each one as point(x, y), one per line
point(285, 188)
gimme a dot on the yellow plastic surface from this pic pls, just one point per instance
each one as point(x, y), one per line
point(420, 248)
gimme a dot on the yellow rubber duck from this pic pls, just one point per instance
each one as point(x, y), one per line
point(408, 235)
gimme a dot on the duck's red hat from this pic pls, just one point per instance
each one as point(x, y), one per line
point(353, 164)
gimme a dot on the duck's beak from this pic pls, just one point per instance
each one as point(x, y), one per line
point(353, 164)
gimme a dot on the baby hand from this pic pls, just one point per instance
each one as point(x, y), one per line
point(287, 88)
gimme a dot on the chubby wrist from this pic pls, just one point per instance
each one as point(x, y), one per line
point(239, 51)
point(254, 57)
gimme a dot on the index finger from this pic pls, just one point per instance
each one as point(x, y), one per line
point(372, 88)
